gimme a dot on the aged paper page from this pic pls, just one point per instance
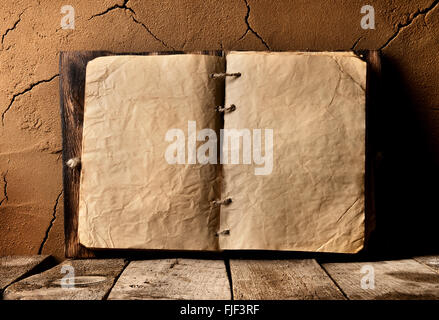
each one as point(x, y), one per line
point(130, 196)
point(313, 199)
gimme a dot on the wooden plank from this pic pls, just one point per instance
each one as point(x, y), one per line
point(13, 268)
point(180, 279)
point(373, 101)
point(393, 280)
point(72, 67)
point(431, 261)
point(281, 280)
point(93, 280)
point(72, 84)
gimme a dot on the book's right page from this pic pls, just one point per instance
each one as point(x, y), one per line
point(299, 126)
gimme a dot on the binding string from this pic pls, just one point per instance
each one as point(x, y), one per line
point(73, 163)
point(226, 109)
point(225, 202)
point(223, 233)
point(224, 74)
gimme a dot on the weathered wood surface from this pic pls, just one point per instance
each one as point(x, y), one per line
point(92, 280)
point(373, 101)
point(281, 280)
point(13, 268)
point(416, 278)
point(430, 261)
point(72, 67)
point(393, 280)
point(180, 279)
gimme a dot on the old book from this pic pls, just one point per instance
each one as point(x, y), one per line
point(247, 151)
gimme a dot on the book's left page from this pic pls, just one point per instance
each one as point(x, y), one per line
point(139, 186)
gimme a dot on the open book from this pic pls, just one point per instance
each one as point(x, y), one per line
point(249, 150)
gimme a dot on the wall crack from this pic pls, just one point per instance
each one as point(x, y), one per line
point(401, 26)
point(52, 221)
point(115, 7)
point(12, 28)
point(16, 95)
point(5, 189)
point(151, 33)
point(356, 43)
point(250, 29)
point(125, 7)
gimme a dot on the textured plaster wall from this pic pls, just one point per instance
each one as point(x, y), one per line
point(407, 125)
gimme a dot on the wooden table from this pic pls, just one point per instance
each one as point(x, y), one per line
point(225, 279)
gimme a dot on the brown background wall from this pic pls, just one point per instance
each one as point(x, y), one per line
point(405, 127)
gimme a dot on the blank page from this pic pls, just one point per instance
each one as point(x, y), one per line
point(313, 199)
point(130, 196)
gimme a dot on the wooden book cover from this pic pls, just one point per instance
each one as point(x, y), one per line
point(233, 151)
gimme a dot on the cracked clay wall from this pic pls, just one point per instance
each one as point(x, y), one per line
point(405, 127)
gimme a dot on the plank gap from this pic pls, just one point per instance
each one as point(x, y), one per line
point(333, 281)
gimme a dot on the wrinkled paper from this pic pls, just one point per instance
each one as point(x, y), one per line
point(130, 196)
point(314, 198)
